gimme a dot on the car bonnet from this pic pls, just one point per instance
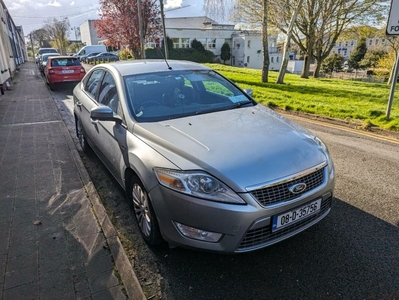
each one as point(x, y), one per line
point(242, 147)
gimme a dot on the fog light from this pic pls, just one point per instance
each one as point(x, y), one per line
point(198, 234)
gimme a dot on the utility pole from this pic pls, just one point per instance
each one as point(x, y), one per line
point(165, 42)
point(141, 29)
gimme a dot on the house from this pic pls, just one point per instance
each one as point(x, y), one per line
point(88, 33)
point(247, 50)
point(12, 45)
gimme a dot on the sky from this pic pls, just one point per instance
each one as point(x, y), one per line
point(32, 14)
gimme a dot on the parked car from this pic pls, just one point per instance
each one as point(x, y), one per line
point(104, 56)
point(43, 60)
point(42, 51)
point(90, 49)
point(83, 57)
point(203, 164)
point(62, 69)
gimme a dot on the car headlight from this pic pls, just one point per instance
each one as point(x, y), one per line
point(326, 152)
point(198, 184)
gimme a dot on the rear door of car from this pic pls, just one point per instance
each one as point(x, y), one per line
point(86, 101)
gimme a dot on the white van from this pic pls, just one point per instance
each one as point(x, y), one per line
point(91, 49)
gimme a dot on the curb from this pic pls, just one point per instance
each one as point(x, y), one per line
point(122, 263)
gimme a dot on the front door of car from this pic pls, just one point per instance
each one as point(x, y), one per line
point(111, 136)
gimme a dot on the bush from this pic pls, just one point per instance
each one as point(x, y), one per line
point(197, 45)
point(125, 54)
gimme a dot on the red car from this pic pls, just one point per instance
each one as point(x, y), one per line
point(61, 69)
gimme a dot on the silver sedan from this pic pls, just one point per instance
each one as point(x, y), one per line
point(203, 165)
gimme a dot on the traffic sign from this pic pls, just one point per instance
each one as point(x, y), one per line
point(393, 18)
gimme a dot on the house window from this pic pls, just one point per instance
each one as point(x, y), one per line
point(211, 43)
point(339, 51)
point(249, 44)
point(351, 43)
point(346, 44)
point(272, 60)
point(370, 42)
point(340, 44)
point(185, 42)
point(376, 41)
point(277, 59)
point(248, 59)
point(175, 42)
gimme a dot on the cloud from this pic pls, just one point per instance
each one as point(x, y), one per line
point(72, 3)
point(173, 4)
point(55, 3)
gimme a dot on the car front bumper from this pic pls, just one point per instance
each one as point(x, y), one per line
point(243, 227)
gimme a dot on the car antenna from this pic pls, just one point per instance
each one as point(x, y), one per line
point(166, 61)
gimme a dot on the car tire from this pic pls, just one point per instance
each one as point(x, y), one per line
point(144, 213)
point(81, 137)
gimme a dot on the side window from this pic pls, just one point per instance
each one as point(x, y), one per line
point(108, 95)
point(93, 82)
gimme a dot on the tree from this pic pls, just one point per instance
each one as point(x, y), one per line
point(119, 23)
point(260, 16)
point(40, 38)
point(371, 58)
point(333, 63)
point(357, 55)
point(225, 52)
point(284, 63)
point(320, 23)
point(197, 45)
point(218, 9)
point(169, 43)
point(57, 32)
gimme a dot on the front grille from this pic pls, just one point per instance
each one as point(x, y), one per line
point(280, 192)
point(264, 235)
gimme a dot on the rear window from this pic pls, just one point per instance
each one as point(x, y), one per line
point(65, 62)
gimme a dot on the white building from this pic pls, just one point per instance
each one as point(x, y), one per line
point(182, 31)
point(247, 50)
point(12, 45)
point(345, 47)
point(246, 46)
point(88, 33)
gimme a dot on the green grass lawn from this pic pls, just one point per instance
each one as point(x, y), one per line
point(356, 101)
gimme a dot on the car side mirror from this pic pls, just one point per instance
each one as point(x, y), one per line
point(104, 113)
point(249, 92)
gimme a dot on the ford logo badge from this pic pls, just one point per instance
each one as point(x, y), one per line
point(297, 188)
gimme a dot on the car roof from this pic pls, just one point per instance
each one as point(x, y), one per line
point(50, 54)
point(63, 57)
point(142, 66)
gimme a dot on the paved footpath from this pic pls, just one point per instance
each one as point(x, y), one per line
point(56, 241)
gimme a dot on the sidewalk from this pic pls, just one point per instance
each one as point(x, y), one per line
point(56, 241)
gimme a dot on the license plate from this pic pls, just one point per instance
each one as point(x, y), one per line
point(67, 71)
point(296, 215)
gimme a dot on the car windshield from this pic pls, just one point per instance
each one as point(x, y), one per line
point(65, 62)
point(174, 94)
